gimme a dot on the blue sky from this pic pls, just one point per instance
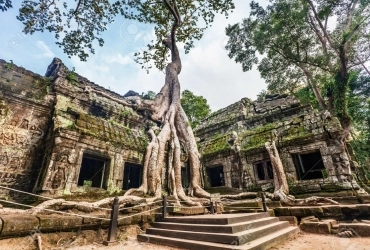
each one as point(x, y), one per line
point(207, 70)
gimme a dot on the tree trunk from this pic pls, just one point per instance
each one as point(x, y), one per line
point(340, 92)
point(280, 182)
point(281, 191)
point(314, 87)
point(175, 127)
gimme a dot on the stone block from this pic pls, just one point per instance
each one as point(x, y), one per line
point(18, 225)
point(333, 224)
point(364, 209)
point(309, 219)
point(306, 211)
point(291, 219)
point(331, 211)
point(271, 212)
point(365, 199)
point(358, 229)
point(316, 227)
point(93, 222)
point(282, 211)
point(350, 210)
point(313, 188)
point(348, 200)
point(191, 210)
point(273, 204)
point(55, 223)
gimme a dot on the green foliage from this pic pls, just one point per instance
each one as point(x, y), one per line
point(261, 95)
point(150, 95)
point(9, 65)
point(306, 96)
point(71, 76)
point(299, 49)
point(78, 26)
point(5, 5)
point(359, 109)
point(195, 107)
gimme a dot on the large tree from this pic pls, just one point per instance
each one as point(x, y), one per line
point(297, 44)
point(77, 28)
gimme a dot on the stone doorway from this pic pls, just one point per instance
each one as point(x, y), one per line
point(93, 172)
point(132, 176)
point(216, 176)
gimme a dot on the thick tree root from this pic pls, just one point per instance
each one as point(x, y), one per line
point(240, 196)
point(290, 200)
point(83, 207)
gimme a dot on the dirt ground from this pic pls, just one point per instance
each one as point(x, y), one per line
point(92, 240)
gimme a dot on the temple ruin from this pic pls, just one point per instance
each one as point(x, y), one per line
point(59, 138)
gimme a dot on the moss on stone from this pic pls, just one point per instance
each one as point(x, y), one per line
point(216, 145)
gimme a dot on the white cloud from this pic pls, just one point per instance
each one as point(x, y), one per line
point(118, 59)
point(207, 70)
point(46, 51)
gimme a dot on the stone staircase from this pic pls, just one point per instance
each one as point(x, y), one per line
point(220, 231)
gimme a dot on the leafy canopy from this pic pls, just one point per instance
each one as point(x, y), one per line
point(292, 44)
point(79, 24)
point(195, 107)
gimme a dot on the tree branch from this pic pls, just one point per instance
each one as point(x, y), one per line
point(326, 35)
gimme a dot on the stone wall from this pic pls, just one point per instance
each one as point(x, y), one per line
point(25, 115)
point(234, 138)
point(48, 123)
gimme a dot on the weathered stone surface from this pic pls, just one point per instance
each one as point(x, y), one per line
point(282, 211)
point(18, 225)
point(189, 210)
point(364, 209)
point(350, 211)
point(59, 223)
point(306, 211)
point(316, 227)
point(358, 229)
point(291, 219)
point(332, 211)
point(309, 219)
point(93, 223)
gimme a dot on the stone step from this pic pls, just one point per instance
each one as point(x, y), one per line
point(233, 239)
point(243, 210)
point(216, 219)
point(258, 244)
point(229, 228)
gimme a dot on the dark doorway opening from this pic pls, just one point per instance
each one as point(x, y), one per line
point(185, 177)
point(216, 176)
point(263, 170)
point(132, 176)
point(93, 172)
point(309, 166)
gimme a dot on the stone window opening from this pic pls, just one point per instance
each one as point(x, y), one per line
point(93, 171)
point(216, 176)
point(263, 170)
point(132, 176)
point(309, 165)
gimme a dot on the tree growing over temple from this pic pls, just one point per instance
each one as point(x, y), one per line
point(78, 27)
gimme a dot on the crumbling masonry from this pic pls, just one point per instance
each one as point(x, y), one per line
point(58, 138)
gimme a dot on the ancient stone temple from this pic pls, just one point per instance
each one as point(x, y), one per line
point(61, 134)
point(234, 155)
